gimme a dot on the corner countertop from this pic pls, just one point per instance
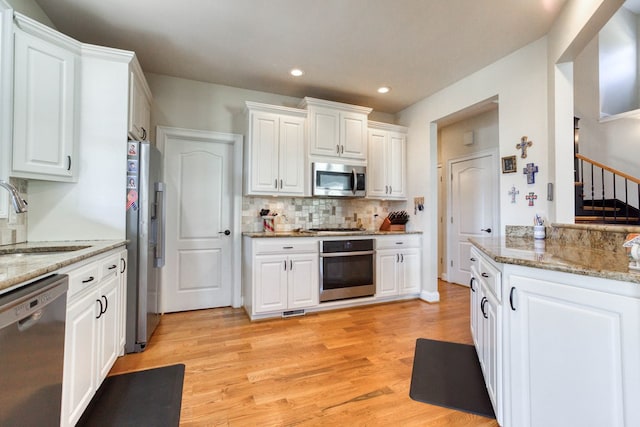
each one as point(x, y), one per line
point(550, 254)
point(23, 262)
point(327, 233)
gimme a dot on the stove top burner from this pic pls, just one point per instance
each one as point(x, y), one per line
point(335, 229)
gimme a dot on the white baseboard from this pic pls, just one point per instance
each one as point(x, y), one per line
point(430, 296)
point(444, 277)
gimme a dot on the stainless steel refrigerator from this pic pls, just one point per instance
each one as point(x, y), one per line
point(145, 233)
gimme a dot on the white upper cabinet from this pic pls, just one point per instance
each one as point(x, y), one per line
point(139, 104)
point(337, 130)
point(46, 92)
point(275, 155)
point(387, 171)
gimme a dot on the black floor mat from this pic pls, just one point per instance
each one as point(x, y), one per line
point(145, 398)
point(449, 374)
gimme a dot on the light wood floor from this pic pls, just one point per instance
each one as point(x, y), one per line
point(347, 367)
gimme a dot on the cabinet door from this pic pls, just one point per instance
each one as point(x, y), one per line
point(264, 153)
point(270, 283)
point(492, 349)
point(303, 287)
point(377, 185)
point(44, 109)
point(474, 308)
point(409, 272)
point(396, 169)
point(80, 354)
point(139, 109)
point(109, 326)
point(387, 273)
point(573, 355)
point(292, 156)
point(324, 132)
point(353, 135)
point(122, 312)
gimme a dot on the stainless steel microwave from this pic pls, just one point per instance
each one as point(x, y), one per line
point(338, 180)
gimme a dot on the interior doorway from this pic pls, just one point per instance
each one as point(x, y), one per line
point(468, 150)
point(202, 226)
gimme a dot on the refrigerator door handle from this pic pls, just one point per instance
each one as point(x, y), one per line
point(160, 222)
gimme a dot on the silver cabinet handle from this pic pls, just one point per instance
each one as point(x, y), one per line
point(338, 149)
point(275, 183)
point(386, 189)
point(342, 149)
point(281, 186)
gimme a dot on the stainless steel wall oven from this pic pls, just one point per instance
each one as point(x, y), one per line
point(347, 269)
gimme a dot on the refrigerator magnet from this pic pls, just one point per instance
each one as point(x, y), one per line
point(132, 166)
point(132, 199)
point(133, 151)
point(132, 182)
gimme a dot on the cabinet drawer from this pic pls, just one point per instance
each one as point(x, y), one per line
point(491, 276)
point(397, 242)
point(278, 246)
point(83, 277)
point(109, 266)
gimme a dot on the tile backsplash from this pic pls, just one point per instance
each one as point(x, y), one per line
point(294, 212)
point(13, 229)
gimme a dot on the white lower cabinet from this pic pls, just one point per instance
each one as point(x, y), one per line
point(280, 275)
point(574, 352)
point(486, 325)
point(397, 265)
point(93, 331)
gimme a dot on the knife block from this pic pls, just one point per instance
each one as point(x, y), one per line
point(387, 226)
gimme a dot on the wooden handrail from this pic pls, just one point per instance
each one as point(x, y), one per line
point(609, 169)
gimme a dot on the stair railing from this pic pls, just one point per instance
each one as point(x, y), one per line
point(604, 171)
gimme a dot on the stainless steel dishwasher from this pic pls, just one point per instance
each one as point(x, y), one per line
point(32, 325)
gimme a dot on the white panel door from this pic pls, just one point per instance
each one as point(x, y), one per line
point(197, 273)
point(264, 159)
point(473, 208)
point(353, 135)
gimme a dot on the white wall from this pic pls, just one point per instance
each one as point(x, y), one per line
point(94, 207)
point(198, 105)
point(519, 80)
point(618, 64)
point(612, 142)
point(535, 91)
point(31, 9)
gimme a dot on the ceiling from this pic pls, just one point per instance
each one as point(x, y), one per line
point(347, 48)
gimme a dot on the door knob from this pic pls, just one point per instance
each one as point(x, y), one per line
point(488, 230)
point(225, 232)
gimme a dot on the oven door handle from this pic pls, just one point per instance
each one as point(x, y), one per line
point(339, 254)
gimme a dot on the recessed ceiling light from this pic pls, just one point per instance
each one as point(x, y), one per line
point(384, 89)
point(296, 72)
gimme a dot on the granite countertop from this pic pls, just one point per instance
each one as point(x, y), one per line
point(327, 233)
point(553, 254)
point(23, 262)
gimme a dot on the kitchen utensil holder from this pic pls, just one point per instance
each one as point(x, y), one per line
point(267, 223)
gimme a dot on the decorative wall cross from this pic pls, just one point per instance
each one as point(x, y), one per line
point(531, 197)
point(530, 170)
point(513, 192)
point(523, 145)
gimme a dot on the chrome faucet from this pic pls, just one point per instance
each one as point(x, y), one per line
point(19, 204)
